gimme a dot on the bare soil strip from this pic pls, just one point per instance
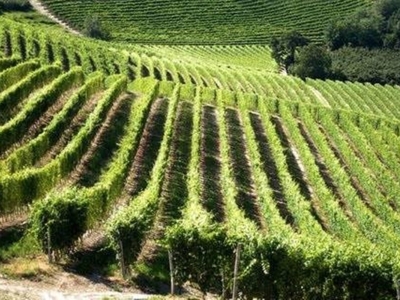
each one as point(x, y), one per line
point(271, 169)
point(140, 171)
point(296, 169)
point(325, 174)
point(100, 152)
point(103, 144)
point(174, 190)
point(73, 128)
point(37, 127)
point(212, 197)
point(246, 198)
point(146, 154)
point(362, 194)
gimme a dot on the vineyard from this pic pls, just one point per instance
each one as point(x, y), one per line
point(196, 153)
point(205, 22)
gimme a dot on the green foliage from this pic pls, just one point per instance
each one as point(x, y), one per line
point(60, 218)
point(285, 47)
point(386, 8)
point(376, 28)
point(373, 27)
point(95, 29)
point(10, 76)
point(8, 62)
point(24, 187)
point(138, 217)
point(18, 125)
point(10, 5)
point(276, 268)
point(313, 61)
point(31, 152)
point(392, 37)
point(361, 30)
point(337, 247)
point(363, 65)
point(127, 229)
point(50, 45)
point(200, 254)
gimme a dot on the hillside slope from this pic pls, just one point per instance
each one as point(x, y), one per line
point(185, 148)
point(205, 22)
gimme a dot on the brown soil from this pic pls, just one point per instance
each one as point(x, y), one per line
point(173, 192)
point(146, 154)
point(37, 127)
point(82, 167)
point(362, 194)
point(271, 170)
point(325, 173)
point(211, 164)
point(73, 128)
point(296, 170)
point(140, 171)
point(34, 278)
point(246, 198)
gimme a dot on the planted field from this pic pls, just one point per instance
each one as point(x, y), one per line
point(204, 22)
point(154, 155)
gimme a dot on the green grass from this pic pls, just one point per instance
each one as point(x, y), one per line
point(18, 243)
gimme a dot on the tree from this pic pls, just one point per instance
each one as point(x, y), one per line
point(95, 29)
point(377, 26)
point(392, 37)
point(313, 61)
point(386, 8)
point(284, 48)
point(361, 30)
point(21, 5)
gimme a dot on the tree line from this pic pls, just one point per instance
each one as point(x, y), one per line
point(21, 5)
point(363, 47)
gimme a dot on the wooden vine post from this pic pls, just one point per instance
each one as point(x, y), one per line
point(397, 285)
point(49, 254)
point(171, 271)
point(236, 271)
point(122, 260)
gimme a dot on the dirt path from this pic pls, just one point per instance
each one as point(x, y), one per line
point(63, 286)
point(37, 5)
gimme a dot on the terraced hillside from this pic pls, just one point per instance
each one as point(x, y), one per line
point(155, 154)
point(205, 22)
